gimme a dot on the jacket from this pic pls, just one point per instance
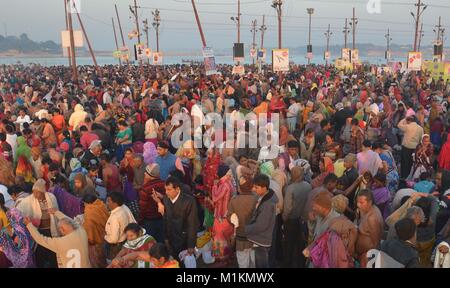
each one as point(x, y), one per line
point(77, 117)
point(180, 222)
point(148, 209)
point(71, 250)
point(402, 252)
point(260, 229)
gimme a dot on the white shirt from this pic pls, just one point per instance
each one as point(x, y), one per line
point(293, 110)
point(20, 120)
point(175, 199)
point(43, 113)
point(107, 98)
point(12, 140)
point(119, 219)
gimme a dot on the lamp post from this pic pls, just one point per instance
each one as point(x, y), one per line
point(310, 12)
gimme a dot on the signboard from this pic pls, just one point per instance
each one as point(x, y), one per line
point(77, 36)
point(414, 61)
point(238, 52)
point(262, 53)
point(327, 55)
point(280, 60)
point(157, 58)
point(148, 53)
point(354, 55)
point(396, 66)
point(447, 71)
point(139, 51)
point(309, 55)
point(346, 54)
point(239, 70)
point(253, 53)
point(210, 61)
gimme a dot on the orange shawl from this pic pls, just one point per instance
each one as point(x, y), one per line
point(95, 217)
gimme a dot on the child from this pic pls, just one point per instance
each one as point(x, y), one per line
point(157, 256)
point(424, 185)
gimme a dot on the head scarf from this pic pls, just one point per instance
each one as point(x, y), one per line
point(24, 169)
point(150, 153)
point(22, 148)
point(21, 254)
point(267, 168)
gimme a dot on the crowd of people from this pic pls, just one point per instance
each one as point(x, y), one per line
point(90, 175)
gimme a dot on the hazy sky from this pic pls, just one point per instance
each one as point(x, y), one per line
point(43, 20)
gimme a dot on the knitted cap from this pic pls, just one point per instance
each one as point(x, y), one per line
point(152, 170)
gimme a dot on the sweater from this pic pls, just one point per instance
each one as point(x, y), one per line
point(166, 165)
point(412, 134)
point(119, 218)
point(71, 250)
point(148, 209)
point(401, 251)
point(295, 199)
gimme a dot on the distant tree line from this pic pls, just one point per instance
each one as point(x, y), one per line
point(24, 44)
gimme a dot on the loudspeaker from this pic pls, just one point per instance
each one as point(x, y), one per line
point(438, 49)
point(309, 48)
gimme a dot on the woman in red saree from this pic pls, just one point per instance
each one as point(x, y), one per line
point(326, 167)
point(444, 156)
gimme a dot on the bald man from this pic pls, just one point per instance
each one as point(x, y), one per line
point(71, 248)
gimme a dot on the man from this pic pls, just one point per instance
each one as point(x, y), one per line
point(350, 173)
point(6, 148)
point(11, 139)
point(402, 249)
point(138, 166)
point(119, 218)
point(340, 117)
point(242, 206)
point(415, 213)
point(325, 128)
point(167, 161)
point(370, 225)
point(149, 217)
point(138, 130)
point(22, 118)
point(295, 199)
point(412, 136)
point(357, 137)
point(180, 218)
point(94, 152)
point(107, 96)
point(368, 160)
point(260, 229)
point(291, 158)
point(292, 114)
point(87, 137)
point(71, 247)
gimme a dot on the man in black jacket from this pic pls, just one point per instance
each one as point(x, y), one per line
point(402, 249)
point(180, 218)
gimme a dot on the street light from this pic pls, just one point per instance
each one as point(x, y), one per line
point(277, 4)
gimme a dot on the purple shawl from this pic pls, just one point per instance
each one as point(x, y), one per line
point(150, 153)
point(68, 204)
point(382, 197)
point(21, 254)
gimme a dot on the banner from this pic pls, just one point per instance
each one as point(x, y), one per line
point(132, 34)
point(354, 55)
point(253, 53)
point(447, 71)
point(346, 54)
point(327, 55)
point(383, 70)
point(210, 61)
point(262, 53)
point(280, 60)
point(342, 65)
point(396, 66)
point(239, 70)
point(117, 54)
point(125, 53)
point(148, 53)
point(139, 51)
point(414, 61)
point(309, 55)
point(157, 58)
point(77, 36)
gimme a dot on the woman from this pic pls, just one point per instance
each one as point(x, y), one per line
point(157, 256)
point(25, 169)
point(191, 161)
point(22, 148)
point(151, 129)
point(94, 221)
point(48, 133)
point(444, 155)
point(381, 194)
point(150, 153)
point(331, 148)
point(326, 167)
point(75, 168)
point(16, 242)
point(137, 240)
point(124, 139)
point(37, 206)
point(81, 187)
point(389, 166)
point(422, 158)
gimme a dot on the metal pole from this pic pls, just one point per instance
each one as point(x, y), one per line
point(137, 21)
point(416, 34)
point(254, 23)
point(239, 21)
point(120, 28)
point(115, 39)
point(279, 26)
point(346, 30)
point(198, 23)
point(328, 35)
point(87, 39)
point(263, 28)
point(72, 47)
point(67, 28)
point(354, 29)
point(421, 34)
